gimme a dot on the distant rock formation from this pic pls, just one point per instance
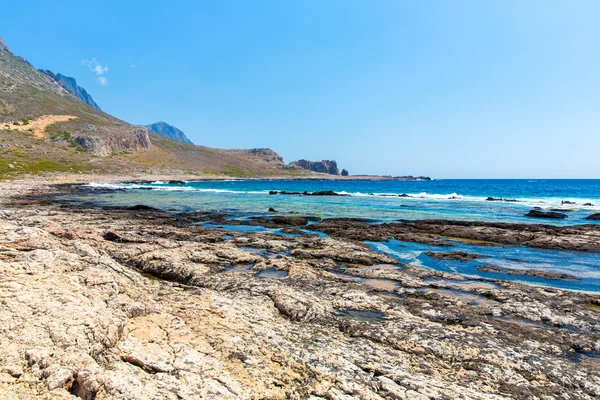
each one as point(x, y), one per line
point(166, 130)
point(325, 166)
point(71, 86)
point(345, 172)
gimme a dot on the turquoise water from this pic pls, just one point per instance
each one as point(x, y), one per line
point(379, 200)
point(445, 199)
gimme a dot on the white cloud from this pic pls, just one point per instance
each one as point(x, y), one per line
point(97, 68)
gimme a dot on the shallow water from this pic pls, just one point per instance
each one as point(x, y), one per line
point(585, 266)
point(362, 315)
point(272, 274)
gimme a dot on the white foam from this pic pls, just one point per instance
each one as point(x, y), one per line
point(545, 203)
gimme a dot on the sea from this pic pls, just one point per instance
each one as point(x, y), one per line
point(389, 200)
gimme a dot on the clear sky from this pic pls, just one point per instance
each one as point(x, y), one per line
point(480, 88)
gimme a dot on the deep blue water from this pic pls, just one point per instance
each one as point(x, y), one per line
point(446, 199)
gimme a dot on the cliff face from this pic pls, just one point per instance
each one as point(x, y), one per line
point(104, 146)
point(166, 130)
point(71, 86)
point(325, 166)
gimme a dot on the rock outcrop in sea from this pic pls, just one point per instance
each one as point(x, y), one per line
point(164, 129)
point(325, 166)
point(71, 86)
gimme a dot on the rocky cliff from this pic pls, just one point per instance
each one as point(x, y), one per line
point(104, 146)
point(325, 166)
point(71, 86)
point(166, 130)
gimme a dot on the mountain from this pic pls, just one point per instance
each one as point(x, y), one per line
point(166, 130)
point(326, 166)
point(71, 86)
point(44, 129)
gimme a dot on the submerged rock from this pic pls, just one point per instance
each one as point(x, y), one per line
point(594, 217)
point(528, 272)
point(454, 255)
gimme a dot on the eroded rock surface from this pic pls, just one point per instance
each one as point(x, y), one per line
point(173, 310)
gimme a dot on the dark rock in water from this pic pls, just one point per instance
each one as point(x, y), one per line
point(567, 202)
point(403, 195)
point(71, 86)
point(166, 130)
point(273, 192)
point(561, 210)
point(594, 217)
point(323, 193)
point(176, 183)
point(345, 172)
point(325, 166)
point(544, 214)
point(289, 220)
point(453, 255)
point(290, 193)
point(142, 207)
point(271, 209)
point(528, 272)
point(501, 199)
point(588, 204)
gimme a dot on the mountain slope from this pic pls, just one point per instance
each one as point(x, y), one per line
point(164, 129)
point(71, 86)
point(45, 129)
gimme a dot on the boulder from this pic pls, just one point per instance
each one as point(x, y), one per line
point(594, 217)
point(345, 172)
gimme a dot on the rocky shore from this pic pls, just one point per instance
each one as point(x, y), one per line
point(142, 304)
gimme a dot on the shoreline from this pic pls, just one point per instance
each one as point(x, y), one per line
point(148, 298)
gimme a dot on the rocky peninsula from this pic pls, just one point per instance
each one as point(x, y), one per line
point(138, 303)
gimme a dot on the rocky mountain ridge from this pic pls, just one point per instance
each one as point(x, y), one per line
point(70, 85)
point(166, 130)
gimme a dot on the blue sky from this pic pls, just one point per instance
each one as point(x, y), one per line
point(495, 88)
